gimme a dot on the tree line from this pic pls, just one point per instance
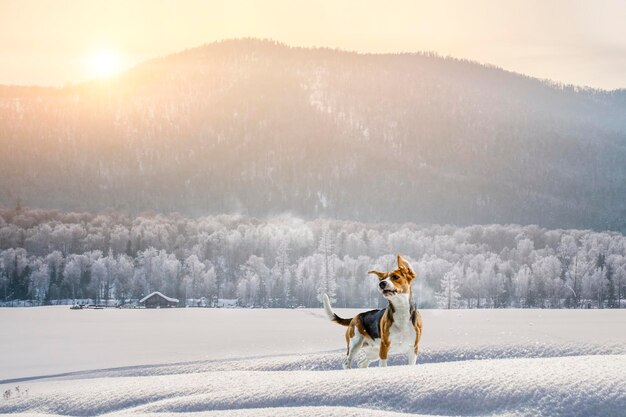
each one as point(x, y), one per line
point(49, 255)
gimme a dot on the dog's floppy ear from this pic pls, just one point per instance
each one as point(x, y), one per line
point(381, 275)
point(404, 266)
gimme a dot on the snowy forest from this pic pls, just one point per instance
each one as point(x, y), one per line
point(49, 256)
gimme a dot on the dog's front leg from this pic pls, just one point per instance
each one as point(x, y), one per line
point(385, 344)
point(412, 356)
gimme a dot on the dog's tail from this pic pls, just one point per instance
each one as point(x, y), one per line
point(331, 314)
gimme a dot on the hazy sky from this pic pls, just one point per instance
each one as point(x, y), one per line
point(54, 42)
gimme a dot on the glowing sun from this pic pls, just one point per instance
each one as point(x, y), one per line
point(104, 63)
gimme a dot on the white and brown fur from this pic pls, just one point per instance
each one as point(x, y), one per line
point(395, 329)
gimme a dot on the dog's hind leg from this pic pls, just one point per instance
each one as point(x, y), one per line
point(354, 345)
point(370, 356)
point(416, 318)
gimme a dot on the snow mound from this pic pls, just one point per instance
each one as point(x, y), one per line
point(472, 363)
point(570, 386)
point(291, 412)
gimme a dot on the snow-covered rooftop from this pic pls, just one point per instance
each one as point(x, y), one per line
point(170, 299)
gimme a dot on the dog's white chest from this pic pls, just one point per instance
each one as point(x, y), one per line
point(402, 335)
point(402, 332)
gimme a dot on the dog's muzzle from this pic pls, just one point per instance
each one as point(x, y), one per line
point(386, 289)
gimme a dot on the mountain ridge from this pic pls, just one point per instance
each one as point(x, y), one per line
point(261, 128)
point(268, 41)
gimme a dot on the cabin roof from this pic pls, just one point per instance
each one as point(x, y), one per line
point(170, 299)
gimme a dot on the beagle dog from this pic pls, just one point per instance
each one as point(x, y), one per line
point(395, 329)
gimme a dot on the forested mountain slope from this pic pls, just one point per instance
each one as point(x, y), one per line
point(261, 128)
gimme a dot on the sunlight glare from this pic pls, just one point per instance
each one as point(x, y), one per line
point(104, 63)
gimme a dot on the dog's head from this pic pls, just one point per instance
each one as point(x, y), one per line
point(398, 281)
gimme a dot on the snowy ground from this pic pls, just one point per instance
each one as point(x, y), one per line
point(287, 363)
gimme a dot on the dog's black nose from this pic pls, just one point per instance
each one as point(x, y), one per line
point(382, 284)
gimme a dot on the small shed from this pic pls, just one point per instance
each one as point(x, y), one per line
point(158, 300)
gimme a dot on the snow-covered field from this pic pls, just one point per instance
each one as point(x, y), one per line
point(287, 363)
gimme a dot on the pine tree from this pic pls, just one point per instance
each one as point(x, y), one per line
point(280, 272)
point(327, 283)
point(449, 296)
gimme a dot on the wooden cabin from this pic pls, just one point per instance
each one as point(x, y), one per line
point(158, 300)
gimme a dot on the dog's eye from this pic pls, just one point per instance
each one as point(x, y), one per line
point(394, 277)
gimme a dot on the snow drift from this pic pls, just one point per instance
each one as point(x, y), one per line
point(540, 369)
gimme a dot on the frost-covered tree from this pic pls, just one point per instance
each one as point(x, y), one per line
point(620, 282)
point(72, 275)
point(55, 261)
point(193, 279)
point(548, 280)
point(523, 287)
point(327, 281)
point(120, 240)
point(209, 282)
point(281, 277)
point(40, 281)
point(123, 276)
point(449, 295)
point(17, 269)
point(256, 271)
point(98, 278)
